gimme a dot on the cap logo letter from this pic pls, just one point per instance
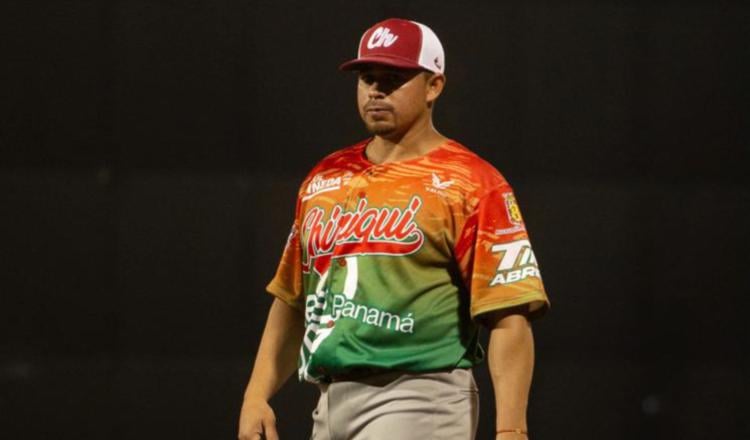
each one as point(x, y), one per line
point(381, 37)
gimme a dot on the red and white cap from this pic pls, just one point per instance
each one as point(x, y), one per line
point(399, 43)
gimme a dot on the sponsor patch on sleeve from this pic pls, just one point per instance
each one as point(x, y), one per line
point(511, 206)
point(517, 262)
point(513, 213)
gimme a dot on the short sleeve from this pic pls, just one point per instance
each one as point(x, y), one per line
point(287, 283)
point(497, 262)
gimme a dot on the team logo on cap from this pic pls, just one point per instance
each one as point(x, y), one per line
point(382, 37)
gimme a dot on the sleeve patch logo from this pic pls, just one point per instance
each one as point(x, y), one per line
point(511, 207)
point(517, 262)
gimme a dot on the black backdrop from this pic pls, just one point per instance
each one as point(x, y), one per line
point(150, 152)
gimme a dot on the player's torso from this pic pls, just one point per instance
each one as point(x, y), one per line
point(377, 262)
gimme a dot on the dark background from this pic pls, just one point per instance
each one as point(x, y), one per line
point(150, 152)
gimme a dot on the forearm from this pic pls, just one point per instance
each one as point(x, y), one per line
point(511, 363)
point(278, 351)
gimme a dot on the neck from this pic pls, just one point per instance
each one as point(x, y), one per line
point(418, 141)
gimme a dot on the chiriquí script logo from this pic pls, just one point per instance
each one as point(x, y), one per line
point(363, 231)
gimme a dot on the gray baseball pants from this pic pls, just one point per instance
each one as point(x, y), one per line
point(399, 406)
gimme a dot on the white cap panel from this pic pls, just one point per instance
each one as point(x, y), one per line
point(431, 57)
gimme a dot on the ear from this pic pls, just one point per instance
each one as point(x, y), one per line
point(434, 84)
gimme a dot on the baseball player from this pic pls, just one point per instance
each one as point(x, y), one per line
point(403, 246)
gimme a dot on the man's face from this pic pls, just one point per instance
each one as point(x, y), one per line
point(391, 100)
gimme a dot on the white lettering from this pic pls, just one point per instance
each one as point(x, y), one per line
point(517, 263)
point(511, 252)
point(407, 324)
point(381, 37)
point(515, 276)
point(320, 185)
point(346, 308)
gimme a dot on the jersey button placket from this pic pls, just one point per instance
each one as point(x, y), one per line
point(366, 175)
point(353, 194)
point(350, 203)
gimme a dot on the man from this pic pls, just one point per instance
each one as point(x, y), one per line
point(402, 246)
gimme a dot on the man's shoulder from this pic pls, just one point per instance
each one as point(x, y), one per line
point(339, 158)
point(475, 168)
point(331, 167)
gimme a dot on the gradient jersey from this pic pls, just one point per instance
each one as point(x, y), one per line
point(391, 263)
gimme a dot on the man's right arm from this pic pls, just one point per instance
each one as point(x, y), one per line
point(275, 362)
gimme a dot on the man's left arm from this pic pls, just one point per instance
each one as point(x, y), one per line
point(510, 357)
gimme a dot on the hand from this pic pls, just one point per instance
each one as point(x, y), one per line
point(511, 436)
point(257, 421)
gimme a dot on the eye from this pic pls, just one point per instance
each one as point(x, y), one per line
point(367, 78)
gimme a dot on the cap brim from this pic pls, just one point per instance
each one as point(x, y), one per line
point(401, 63)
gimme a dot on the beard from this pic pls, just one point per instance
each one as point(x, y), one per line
point(380, 129)
point(380, 126)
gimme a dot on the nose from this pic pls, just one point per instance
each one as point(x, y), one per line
point(374, 90)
